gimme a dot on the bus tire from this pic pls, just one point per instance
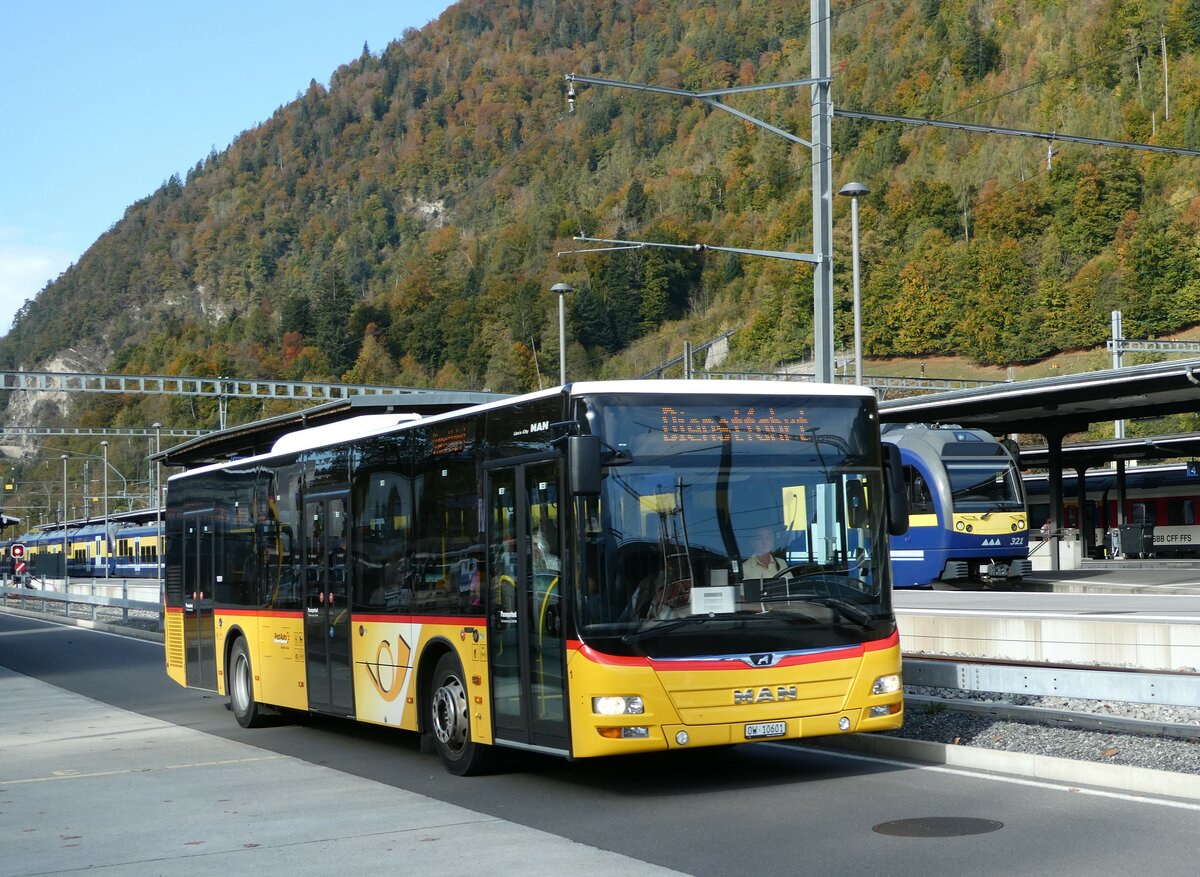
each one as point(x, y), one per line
point(248, 712)
point(449, 717)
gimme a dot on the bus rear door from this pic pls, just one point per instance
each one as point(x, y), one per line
point(199, 581)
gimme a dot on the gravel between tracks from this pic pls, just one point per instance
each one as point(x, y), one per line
point(944, 725)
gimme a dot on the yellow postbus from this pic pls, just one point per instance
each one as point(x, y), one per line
point(604, 568)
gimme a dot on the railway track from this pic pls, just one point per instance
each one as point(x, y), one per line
point(1080, 717)
point(1105, 699)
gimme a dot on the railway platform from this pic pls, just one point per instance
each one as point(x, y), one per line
point(1121, 617)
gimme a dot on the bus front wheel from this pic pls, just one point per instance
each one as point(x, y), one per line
point(248, 712)
point(450, 721)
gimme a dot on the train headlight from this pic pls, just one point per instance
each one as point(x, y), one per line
point(959, 525)
point(630, 705)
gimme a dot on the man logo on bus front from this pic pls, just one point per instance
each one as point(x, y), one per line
point(762, 660)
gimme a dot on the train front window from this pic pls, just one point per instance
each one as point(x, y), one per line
point(991, 486)
point(715, 542)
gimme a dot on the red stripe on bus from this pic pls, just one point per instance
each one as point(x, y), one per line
point(855, 650)
point(259, 613)
point(879, 645)
point(464, 620)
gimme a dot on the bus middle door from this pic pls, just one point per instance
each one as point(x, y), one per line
point(526, 649)
point(327, 645)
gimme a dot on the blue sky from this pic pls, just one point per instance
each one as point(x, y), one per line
point(104, 99)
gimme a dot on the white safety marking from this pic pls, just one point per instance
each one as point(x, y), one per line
point(79, 775)
point(1008, 614)
point(1011, 780)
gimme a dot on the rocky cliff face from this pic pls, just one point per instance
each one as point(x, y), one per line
point(45, 407)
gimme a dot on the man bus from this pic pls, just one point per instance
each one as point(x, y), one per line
point(562, 572)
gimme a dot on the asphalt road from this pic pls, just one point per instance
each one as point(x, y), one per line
point(762, 809)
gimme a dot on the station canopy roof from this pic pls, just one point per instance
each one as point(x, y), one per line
point(1058, 407)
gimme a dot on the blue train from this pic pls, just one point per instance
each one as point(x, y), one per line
point(133, 550)
point(968, 523)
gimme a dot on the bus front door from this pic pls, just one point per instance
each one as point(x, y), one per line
point(199, 581)
point(526, 649)
point(328, 669)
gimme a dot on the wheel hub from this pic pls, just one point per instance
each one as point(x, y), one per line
point(450, 714)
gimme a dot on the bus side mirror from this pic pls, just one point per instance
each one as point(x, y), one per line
point(897, 498)
point(583, 462)
point(856, 505)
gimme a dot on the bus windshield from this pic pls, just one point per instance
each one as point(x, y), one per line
point(730, 532)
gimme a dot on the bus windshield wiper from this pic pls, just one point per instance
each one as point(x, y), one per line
point(846, 610)
point(667, 626)
point(787, 615)
point(691, 620)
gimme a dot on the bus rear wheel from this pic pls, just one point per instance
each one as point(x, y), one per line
point(450, 721)
point(248, 712)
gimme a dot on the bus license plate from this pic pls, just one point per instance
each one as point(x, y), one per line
point(766, 729)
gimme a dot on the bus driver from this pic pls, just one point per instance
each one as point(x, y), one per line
point(762, 563)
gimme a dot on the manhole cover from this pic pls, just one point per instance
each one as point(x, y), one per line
point(938, 826)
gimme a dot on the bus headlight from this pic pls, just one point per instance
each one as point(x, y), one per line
point(613, 705)
point(886, 684)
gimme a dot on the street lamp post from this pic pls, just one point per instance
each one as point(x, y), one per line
point(856, 191)
point(107, 548)
point(562, 289)
point(158, 501)
point(66, 580)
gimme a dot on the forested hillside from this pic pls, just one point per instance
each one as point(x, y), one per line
point(401, 226)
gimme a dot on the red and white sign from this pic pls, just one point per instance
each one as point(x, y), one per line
point(20, 567)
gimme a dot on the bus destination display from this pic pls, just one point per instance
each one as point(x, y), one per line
point(680, 424)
